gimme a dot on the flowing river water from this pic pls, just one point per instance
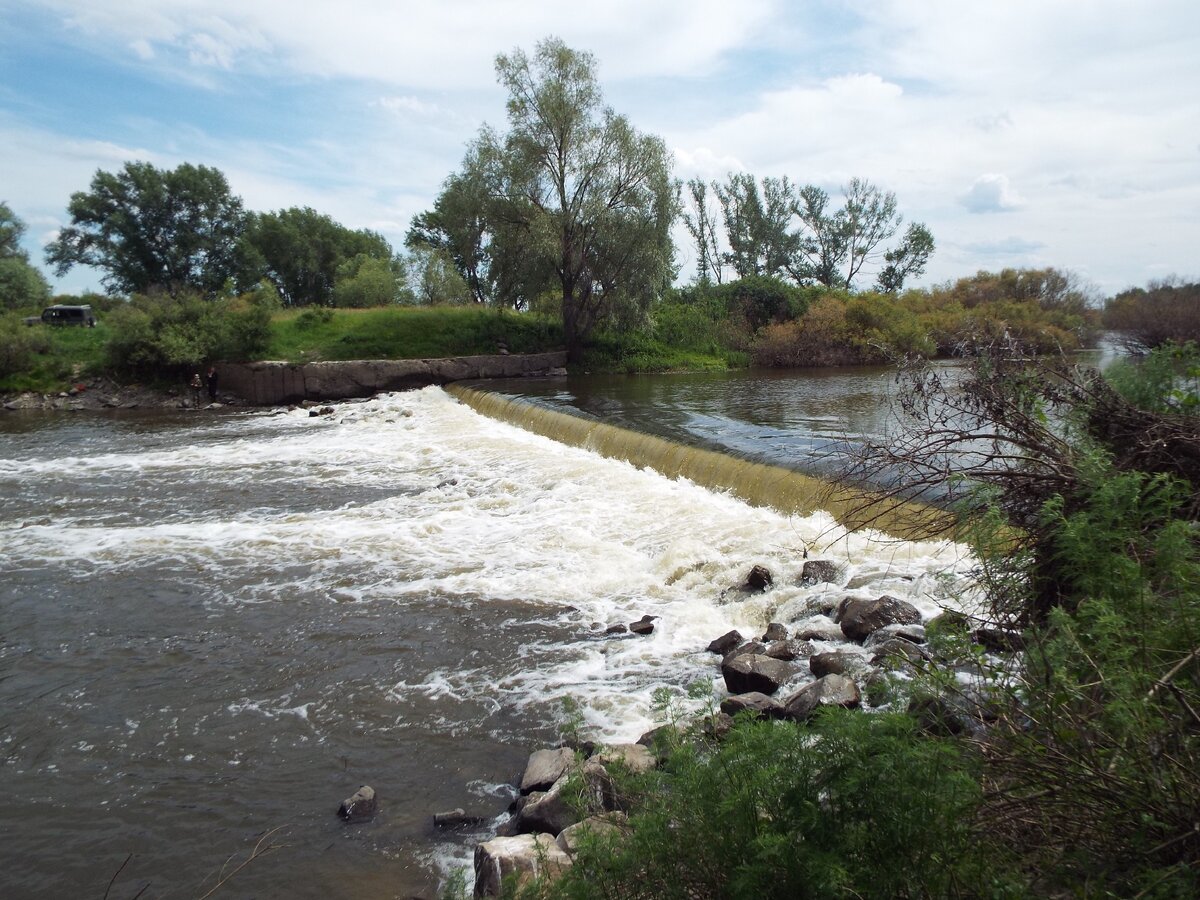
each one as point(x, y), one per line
point(217, 624)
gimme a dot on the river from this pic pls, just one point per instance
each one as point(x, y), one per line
point(218, 624)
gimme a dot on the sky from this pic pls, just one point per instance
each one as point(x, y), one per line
point(1023, 133)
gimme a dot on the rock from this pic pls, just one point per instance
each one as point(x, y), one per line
point(456, 818)
point(744, 650)
point(788, 650)
point(634, 758)
point(775, 632)
point(897, 650)
point(616, 629)
point(644, 625)
point(759, 579)
point(725, 642)
point(546, 811)
point(997, 640)
point(859, 618)
point(831, 690)
point(914, 634)
point(661, 737)
point(819, 631)
point(360, 806)
point(758, 703)
point(816, 571)
point(836, 662)
point(937, 716)
point(557, 371)
point(544, 768)
point(717, 726)
point(526, 856)
point(609, 825)
point(755, 672)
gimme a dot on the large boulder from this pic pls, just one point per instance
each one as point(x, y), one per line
point(788, 650)
point(644, 625)
point(526, 856)
point(832, 690)
point(634, 758)
point(606, 826)
point(755, 672)
point(545, 811)
point(819, 630)
point(776, 631)
point(836, 662)
point(859, 618)
point(760, 705)
point(544, 768)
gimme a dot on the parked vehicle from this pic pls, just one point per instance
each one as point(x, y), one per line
point(60, 314)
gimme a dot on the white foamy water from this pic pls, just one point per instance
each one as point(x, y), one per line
point(263, 590)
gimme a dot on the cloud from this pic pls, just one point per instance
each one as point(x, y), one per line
point(433, 46)
point(991, 193)
point(408, 105)
point(1009, 246)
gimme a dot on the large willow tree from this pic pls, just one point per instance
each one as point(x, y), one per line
point(572, 198)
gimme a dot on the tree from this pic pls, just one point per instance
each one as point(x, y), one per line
point(575, 197)
point(299, 250)
point(367, 280)
point(1166, 312)
point(153, 229)
point(435, 280)
point(701, 223)
point(21, 285)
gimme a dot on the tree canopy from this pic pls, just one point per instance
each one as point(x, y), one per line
point(21, 284)
point(301, 250)
point(571, 197)
point(154, 229)
point(778, 229)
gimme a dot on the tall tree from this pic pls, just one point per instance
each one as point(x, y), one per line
point(21, 285)
point(701, 222)
point(299, 250)
point(576, 197)
point(154, 229)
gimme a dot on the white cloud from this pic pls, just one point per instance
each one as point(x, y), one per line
point(408, 105)
point(991, 193)
point(142, 48)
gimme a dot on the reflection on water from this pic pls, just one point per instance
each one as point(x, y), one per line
point(799, 418)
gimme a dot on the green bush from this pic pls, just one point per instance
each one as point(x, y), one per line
point(853, 805)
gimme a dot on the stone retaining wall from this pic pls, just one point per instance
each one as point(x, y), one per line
point(273, 383)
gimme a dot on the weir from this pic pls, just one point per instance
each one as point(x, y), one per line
point(759, 484)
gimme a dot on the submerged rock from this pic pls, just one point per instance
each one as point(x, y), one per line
point(759, 579)
point(360, 806)
point(457, 818)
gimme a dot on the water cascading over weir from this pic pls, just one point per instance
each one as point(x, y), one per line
point(759, 484)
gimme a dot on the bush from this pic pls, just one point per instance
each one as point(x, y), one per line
point(852, 805)
point(1167, 312)
point(162, 335)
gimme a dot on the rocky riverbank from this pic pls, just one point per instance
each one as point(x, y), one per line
point(851, 653)
point(103, 393)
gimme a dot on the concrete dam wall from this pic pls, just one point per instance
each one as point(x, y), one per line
point(273, 383)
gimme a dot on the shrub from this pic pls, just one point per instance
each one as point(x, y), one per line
point(852, 805)
point(1166, 312)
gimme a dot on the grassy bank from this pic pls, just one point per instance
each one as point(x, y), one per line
point(416, 332)
point(48, 360)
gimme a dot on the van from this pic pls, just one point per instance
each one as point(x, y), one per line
point(69, 315)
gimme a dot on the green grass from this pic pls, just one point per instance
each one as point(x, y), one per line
point(636, 353)
point(64, 355)
point(407, 333)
